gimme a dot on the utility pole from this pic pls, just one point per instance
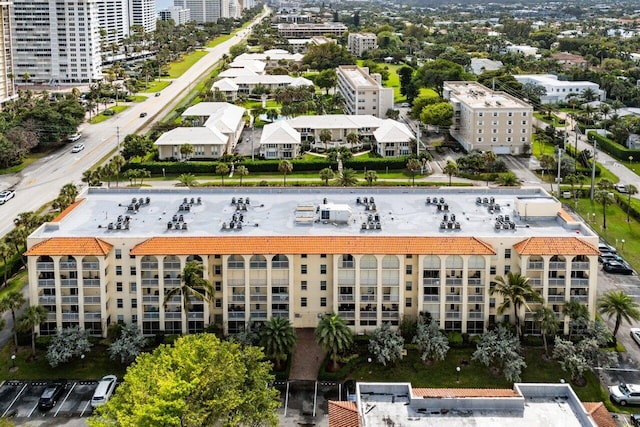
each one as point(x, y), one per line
point(118, 136)
point(560, 150)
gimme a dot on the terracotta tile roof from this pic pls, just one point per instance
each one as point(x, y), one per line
point(313, 245)
point(555, 246)
point(600, 414)
point(343, 414)
point(70, 246)
point(68, 210)
point(464, 392)
point(564, 215)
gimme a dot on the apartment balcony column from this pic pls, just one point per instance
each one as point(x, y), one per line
point(465, 292)
point(356, 266)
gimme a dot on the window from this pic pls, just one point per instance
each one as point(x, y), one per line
point(120, 319)
point(133, 286)
point(480, 131)
point(118, 253)
point(134, 318)
point(492, 269)
point(216, 257)
point(323, 302)
point(134, 303)
point(479, 139)
point(507, 254)
point(118, 286)
point(509, 114)
point(218, 302)
point(120, 303)
point(218, 286)
point(303, 285)
point(495, 114)
point(303, 301)
point(524, 122)
point(507, 268)
point(408, 285)
point(494, 131)
point(303, 256)
point(480, 123)
point(323, 255)
point(480, 114)
point(118, 270)
point(323, 268)
point(524, 114)
point(407, 302)
point(524, 131)
point(509, 122)
point(217, 269)
point(408, 269)
point(132, 271)
point(303, 268)
point(323, 285)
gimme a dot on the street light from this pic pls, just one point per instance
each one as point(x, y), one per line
point(622, 248)
point(457, 374)
point(82, 358)
point(13, 361)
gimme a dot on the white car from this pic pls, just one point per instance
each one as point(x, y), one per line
point(635, 334)
point(6, 195)
point(74, 137)
point(103, 392)
point(624, 394)
point(77, 148)
point(621, 188)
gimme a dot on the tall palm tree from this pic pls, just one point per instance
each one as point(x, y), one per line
point(352, 139)
point(450, 169)
point(347, 178)
point(278, 338)
point(325, 136)
point(334, 336)
point(6, 253)
point(604, 196)
point(576, 312)
point(12, 302)
point(193, 285)
point(619, 305)
point(285, 167)
point(118, 162)
point(414, 166)
point(32, 317)
point(241, 171)
point(631, 190)
point(186, 151)
point(516, 292)
point(548, 324)
point(222, 169)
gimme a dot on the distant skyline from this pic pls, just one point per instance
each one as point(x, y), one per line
point(163, 4)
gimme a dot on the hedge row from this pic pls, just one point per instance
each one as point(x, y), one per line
point(613, 148)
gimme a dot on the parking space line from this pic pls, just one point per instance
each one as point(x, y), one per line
point(33, 409)
point(65, 399)
point(315, 399)
point(85, 408)
point(286, 400)
point(14, 400)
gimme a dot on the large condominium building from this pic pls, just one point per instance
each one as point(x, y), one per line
point(142, 13)
point(57, 41)
point(488, 120)
point(359, 43)
point(179, 15)
point(370, 255)
point(113, 20)
point(301, 31)
point(7, 89)
point(203, 11)
point(363, 93)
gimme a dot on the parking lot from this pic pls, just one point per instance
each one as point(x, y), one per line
point(19, 399)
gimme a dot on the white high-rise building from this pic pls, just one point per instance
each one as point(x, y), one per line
point(7, 89)
point(235, 9)
point(56, 41)
point(143, 14)
point(113, 18)
point(203, 11)
point(178, 14)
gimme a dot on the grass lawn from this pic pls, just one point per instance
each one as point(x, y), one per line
point(31, 157)
point(221, 39)
point(137, 98)
point(157, 85)
point(98, 118)
point(554, 120)
point(176, 69)
point(425, 91)
point(16, 283)
point(271, 103)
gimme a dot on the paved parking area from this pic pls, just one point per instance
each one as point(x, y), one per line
point(19, 399)
point(304, 403)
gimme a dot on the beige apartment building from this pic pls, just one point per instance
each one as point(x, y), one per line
point(488, 120)
point(306, 30)
point(358, 43)
point(371, 255)
point(7, 88)
point(363, 93)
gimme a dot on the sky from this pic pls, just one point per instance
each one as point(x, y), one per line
point(163, 4)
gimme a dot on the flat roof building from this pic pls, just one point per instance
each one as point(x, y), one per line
point(560, 90)
point(306, 30)
point(372, 255)
point(179, 15)
point(363, 93)
point(488, 120)
point(359, 43)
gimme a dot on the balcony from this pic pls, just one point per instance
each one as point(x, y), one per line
point(368, 281)
point(280, 297)
point(68, 266)
point(535, 282)
point(454, 298)
point(92, 300)
point(580, 282)
point(47, 300)
point(173, 315)
point(475, 298)
point(535, 265)
point(431, 281)
point(44, 266)
point(91, 282)
point(368, 297)
point(390, 314)
point(46, 282)
point(258, 298)
point(197, 315)
point(347, 264)
point(258, 282)
point(390, 298)
point(92, 315)
point(557, 281)
point(556, 298)
point(175, 299)
point(579, 265)
point(235, 282)
point(431, 298)
point(452, 281)
point(475, 315)
point(580, 298)
point(280, 313)
point(148, 315)
point(70, 299)
point(150, 282)
point(258, 314)
point(68, 283)
point(148, 265)
point(279, 282)
point(51, 317)
point(151, 299)
point(237, 298)
point(557, 265)
point(453, 315)
point(70, 317)
point(236, 315)
point(347, 314)
point(173, 282)
point(172, 266)
point(91, 266)
point(368, 315)
point(474, 281)
point(346, 298)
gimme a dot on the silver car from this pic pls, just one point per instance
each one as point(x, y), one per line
point(625, 394)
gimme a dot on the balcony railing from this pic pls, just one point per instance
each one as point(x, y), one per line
point(68, 266)
point(196, 315)
point(581, 282)
point(390, 314)
point(475, 315)
point(453, 281)
point(347, 314)
point(150, 282)
point(579, 298)
point(92, 300)
point(92, 315)
point(346, 298)
point(51, 316)
point(46, 299)
point(390, 298)
point(579, 265)
point(91, 266)
point(262, 314)
point(280, 282)
point(454, 298)
point(173, 315)
point(70, 316)
point(148, 265)
point(236, 315)
point(151, 298)
point(176, 299)
point(557, 265)
point(168, 281)
point(431, 281)
point(475, 298)
point(535, 265)
point(171, 266)
point(453, 315)
point(557, 282)
point(258, 282)
point(556, 298)
point(235, 282)
point(258, 298)
point(150, 315)
point(237, 298)
point(70, 299)
point(44, 266)
point(67, 283)
point(535, 282)
point(280, 297)
point(90, 282)
point(474, 281)
point(391, 281)
point(367, 297)
point(431, 298)
point(368, 315)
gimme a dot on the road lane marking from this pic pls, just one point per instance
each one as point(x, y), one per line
point(65, 399)
point(14, 400)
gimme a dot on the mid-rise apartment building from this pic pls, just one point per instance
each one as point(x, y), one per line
point(306, 30)
point(7, 88)
point(113, 20)
point(488, 120)
point(142, 13)
point(179, 15)
point(203, 11)
point(358, 43)
point(57, 41)
point(363, 93)
point(374, 255)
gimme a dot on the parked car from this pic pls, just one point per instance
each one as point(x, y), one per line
point(74, 137)
point(617, 267)
point(77, 148)
point(604, 248)
point(625, 394)
point(104, 390)
point(621, 188)
point(143, 114)
point(51, 394)
point(635, 420)
point(635, 334)
point(609, 257)
point(108, 112)
point(6, 195)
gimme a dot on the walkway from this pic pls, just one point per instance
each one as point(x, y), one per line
point(307, 356)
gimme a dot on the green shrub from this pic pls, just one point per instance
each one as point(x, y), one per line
point(535, 340)
point(341, 373)
point(613, 148)
point(455, 339)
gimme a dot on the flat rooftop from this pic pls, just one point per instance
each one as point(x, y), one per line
point(478, 96)
point(468, 212)
point(359, 77)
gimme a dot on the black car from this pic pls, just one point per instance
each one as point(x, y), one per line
point(51, 394)
point(143, 114)
point(609, 257)
point(617, 267)
point(635, 420)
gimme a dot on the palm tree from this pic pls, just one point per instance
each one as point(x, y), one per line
point(516, 292)
point(241, 171)
point(631, 190)
point(326, 174)
point(187, 179)
point(604, 196)
point(619, 305)
point(508, 179)
point(347, 178)
point(193, 284)
point(589, 95)
point(325, 136)
point(278, 338)
point(118, 162)
point(352, 138)
point(548, 324)
point(371, 177)
point(450, 169)
point(12, 302)
point(334, 336)
point(32, 317)
point(285, 167)
point(222, 169)
point(186, 151)
point(413, 165)
point(6, 253)
point(576, 312)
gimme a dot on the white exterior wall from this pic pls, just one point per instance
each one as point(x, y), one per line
point(143, 14)
point(113, 17)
